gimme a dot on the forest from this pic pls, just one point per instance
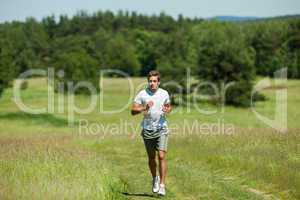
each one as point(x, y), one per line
point(135, 43)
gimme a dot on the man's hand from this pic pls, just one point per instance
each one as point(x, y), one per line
point(138, 108)
point(149, 105)
point(167, 108)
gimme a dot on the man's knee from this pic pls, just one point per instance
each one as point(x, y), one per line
point(161, 155)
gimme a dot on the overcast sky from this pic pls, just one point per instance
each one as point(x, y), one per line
point(20, 9)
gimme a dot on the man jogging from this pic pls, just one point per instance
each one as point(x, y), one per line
point(154, 103)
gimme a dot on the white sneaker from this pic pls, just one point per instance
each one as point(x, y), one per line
point(162, 190)
point(155, 184)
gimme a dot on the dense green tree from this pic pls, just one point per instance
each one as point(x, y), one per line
point(179, 58)
point(293, 49)
point(224, 58)
point(268, 41)
point(77, 66)
point(7, 67)
point(148, 45)
point(50, 25)
point(121, 55)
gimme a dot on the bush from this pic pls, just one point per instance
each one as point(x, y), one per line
point(24, 85)
point(224, 57)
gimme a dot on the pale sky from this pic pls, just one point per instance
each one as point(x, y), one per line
point(20, 9)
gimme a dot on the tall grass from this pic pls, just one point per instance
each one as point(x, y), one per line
point(48, 173)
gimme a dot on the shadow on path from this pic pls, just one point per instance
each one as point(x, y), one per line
point(140, 194)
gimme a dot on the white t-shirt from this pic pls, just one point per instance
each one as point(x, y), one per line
point(155, 118)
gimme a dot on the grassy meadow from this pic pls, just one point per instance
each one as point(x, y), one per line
point(42, 157)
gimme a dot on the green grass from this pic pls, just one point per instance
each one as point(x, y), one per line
point(49, 173)
point(41, 157)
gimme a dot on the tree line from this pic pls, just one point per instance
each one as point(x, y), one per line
point(134, 43)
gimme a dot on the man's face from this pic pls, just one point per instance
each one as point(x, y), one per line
point(153, 83)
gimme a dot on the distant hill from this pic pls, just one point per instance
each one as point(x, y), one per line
point(250, 18)
point(233, 18)
point(286, 17)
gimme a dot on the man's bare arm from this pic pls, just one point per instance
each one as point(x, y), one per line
point(137, 108)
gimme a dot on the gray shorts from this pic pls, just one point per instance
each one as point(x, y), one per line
point(159, 143)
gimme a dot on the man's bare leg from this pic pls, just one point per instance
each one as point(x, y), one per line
point(162, 166)
point(152, 163)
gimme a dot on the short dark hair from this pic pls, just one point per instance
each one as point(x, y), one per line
point(153, 73)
